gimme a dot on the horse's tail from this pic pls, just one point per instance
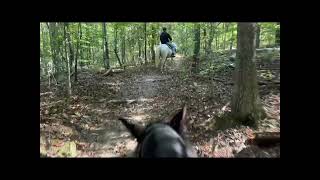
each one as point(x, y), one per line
point(157, 56)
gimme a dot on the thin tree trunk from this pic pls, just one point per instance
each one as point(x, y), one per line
point(71, 56)
point(196, 53)
point(216, 48)
point(88, 55)
point(277, 35)
point(245, 103)
point(258, 37)
point(77, 53)
point(115, 44)
point(153, 44)
point(52, 33)
point(123, 46)
point(92, 53)
point(43, 48)
point(226, 27)
point(210, 40)
point(145, 42)
point(231, 39)
point(66, 56)
point(105, 47)
point(43, 42)
point(139, 44)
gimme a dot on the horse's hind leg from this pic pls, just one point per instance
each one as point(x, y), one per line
point(160, 64)
point(164, 63)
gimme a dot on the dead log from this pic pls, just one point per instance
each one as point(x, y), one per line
point(264, 139)
point(259, 83)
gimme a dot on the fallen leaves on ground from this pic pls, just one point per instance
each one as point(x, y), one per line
point(86, 116)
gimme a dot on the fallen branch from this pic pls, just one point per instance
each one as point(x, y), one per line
point(264, 139)
point(264, 68)
point(152, 80)
point(106, 73)
point(266, 83)
point(50, 104)
point(129, 101)
point(220, 80)
point(46, 93)
point(122, 101)
point(117, 70)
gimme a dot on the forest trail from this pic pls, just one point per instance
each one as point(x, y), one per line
point(142, 95)
point(81, 101)
point(89, 119)
point(141, 98)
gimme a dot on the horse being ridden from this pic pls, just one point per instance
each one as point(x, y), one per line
point(162, 53)
point(165, 50)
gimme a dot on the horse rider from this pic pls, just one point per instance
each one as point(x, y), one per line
point(165, 38)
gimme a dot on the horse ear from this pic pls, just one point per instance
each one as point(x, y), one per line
point(135, 129)
point(178, 121)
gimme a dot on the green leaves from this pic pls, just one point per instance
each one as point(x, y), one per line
point(213, 37)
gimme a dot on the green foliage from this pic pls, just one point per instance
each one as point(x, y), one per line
point(213, 38)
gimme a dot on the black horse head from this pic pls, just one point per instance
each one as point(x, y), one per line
point(162, 139)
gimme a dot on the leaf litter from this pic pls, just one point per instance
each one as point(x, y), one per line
point(87, 121)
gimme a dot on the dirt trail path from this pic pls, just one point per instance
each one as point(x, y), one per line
point(145, 95)
point(142, 94)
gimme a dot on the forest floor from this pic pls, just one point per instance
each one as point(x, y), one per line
point(86, 124)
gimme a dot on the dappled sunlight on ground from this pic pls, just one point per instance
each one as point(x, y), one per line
point(90, 117)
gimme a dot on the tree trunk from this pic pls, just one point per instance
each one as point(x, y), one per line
point(54, 54)
point(145, 42)
point(93, 56)
point(196, 52)
point(115, 44)
point(71, 56)
point(88, 53)
point(43, 42)
point(43, 48)
point(140, 51)
point(216, 48)
point(105, 47)
point(226, 27)
point(139, 46)
point(205, 39)
point(245, 103)
point(231, 39)
point(153, 34)
point(258, 37)
point(278, 35)
point(123, 46)
point(68, 61)
point(77, 53)
point(210, 40)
